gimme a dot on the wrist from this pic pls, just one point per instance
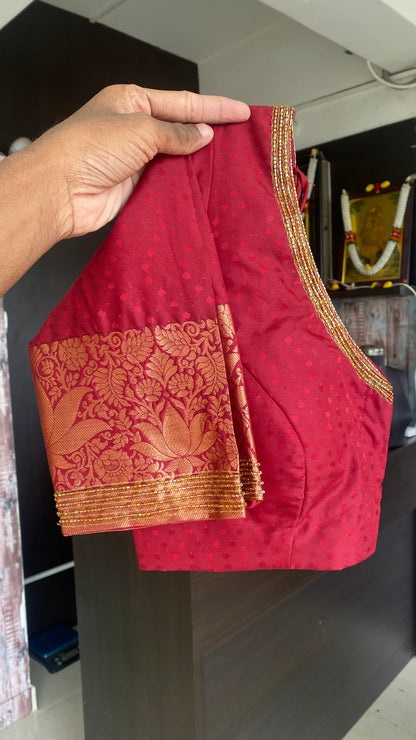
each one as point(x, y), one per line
point(45, 180)
point(34, 210)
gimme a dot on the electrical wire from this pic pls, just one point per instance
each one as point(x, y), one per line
point(395, 85)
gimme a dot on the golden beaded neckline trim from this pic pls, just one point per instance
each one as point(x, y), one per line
point(285, 192)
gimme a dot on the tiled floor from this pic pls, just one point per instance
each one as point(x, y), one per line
point(59, 713)
point(393, 714)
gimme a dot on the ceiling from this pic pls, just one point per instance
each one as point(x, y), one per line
point(194, 29)
point(383, 31)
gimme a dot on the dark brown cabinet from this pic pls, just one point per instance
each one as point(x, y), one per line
point(245, 656)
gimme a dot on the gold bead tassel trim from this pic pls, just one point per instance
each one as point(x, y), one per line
point(215, 494)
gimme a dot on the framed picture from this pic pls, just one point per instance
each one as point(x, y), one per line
point(372, 216)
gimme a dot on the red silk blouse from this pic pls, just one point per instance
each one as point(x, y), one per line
point(196, 384)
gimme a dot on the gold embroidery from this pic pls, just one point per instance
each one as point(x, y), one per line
point(249, 467)
point(146, 425)
point(197, 497)
point(285, 191)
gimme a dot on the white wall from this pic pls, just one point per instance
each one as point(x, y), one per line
point(358, 109)
point(332, 91)
point(10, 8)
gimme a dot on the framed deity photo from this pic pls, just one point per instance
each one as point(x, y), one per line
point(378, 229)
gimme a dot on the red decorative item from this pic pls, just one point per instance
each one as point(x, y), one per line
point(200, 345)
point(395, 234)
point(350, 236)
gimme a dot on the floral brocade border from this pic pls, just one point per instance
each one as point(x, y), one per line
point(147, 426)
point(285, 192)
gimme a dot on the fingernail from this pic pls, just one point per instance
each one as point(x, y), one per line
point(204, 130)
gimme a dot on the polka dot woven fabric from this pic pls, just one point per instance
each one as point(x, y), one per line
point(227, 358)
point(320, 413)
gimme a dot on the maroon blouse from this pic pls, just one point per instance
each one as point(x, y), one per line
point(199, 351)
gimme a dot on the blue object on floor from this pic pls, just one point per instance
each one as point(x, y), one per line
point(55, 648)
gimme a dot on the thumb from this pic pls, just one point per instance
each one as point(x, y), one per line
point(181, 138)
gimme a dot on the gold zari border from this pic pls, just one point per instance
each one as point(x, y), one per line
point(285, 191)
point(251, 480)
point(125, 506)
point(126, 446)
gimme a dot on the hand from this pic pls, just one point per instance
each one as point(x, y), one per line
point(101, 150)
point(77, 176)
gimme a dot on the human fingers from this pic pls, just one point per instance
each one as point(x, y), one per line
point(168, 105)
point(188, 107)
point(138, 137)
point(180, 138)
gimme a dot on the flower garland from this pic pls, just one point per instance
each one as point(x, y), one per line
point(310, 174)
point(394, 236)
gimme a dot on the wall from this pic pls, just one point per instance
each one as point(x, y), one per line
point(10, 8)
point(358, 109)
